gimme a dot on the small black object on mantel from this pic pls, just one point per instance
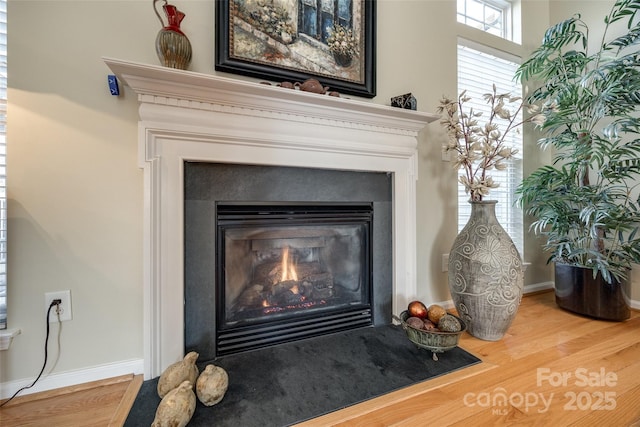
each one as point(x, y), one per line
point(406, 101)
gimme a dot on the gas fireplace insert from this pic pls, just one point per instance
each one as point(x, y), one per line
point(290, 271)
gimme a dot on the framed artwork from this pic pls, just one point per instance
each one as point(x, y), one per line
point(293, 40)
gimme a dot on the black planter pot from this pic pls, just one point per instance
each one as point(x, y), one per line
point(578, 291)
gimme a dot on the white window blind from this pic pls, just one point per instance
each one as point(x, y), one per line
point(3, 174)
point(477, 72)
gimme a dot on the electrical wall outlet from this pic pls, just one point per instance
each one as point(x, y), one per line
point(63, 309)
point(445, 262)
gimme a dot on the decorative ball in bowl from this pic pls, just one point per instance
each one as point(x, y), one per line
point(436, 341)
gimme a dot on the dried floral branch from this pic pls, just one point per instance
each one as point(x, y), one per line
point(480, 148)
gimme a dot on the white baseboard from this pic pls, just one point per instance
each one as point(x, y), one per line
point(447, 305)
point(69, 378)
point(537, 287)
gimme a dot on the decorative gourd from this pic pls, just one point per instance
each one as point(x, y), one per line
point(177, 407)
point(449, 323)
point(174, 375)
point(212, 384)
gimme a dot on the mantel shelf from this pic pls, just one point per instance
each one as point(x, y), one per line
point(188, 86)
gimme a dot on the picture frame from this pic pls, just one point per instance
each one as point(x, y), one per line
point(290, 41)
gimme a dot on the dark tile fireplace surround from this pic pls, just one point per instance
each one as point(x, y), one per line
point(211, 185)
point(187, 117)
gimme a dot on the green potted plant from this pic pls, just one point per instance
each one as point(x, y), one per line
point(586, 203)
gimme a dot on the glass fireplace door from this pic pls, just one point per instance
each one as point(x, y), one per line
point(291, 271)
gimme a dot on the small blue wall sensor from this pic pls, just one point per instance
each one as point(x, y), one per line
point(113, 85)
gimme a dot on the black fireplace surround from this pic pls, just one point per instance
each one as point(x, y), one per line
point(275, 254)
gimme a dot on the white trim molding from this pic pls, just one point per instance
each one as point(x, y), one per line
point(70, 378)
point(187, 116)
point(6, 337)
point(537, 287)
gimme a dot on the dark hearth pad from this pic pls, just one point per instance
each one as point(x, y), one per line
point(294, 382)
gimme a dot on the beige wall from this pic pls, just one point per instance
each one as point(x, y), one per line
point(75, 190)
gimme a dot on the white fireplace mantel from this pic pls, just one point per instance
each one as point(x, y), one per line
point(191, 116)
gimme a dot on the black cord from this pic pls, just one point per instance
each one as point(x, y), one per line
point(46, 342)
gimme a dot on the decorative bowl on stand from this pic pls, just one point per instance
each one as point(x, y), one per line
point(435, 341)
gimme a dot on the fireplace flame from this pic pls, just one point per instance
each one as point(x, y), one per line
point(288, 270)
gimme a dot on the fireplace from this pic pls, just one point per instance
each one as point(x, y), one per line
point(275, 254)
point(290, 271)
point(192, 117)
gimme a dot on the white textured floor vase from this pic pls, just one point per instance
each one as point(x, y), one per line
point(485, 274)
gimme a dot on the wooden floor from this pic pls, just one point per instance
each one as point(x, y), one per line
point(100, 403)
point(553, 368)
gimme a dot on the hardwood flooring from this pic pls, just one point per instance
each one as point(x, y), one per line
point(100, 403)
point(552, 368)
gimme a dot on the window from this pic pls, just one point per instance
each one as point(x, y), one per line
point(492, 16)
point(3, 186)
point(477, 72)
